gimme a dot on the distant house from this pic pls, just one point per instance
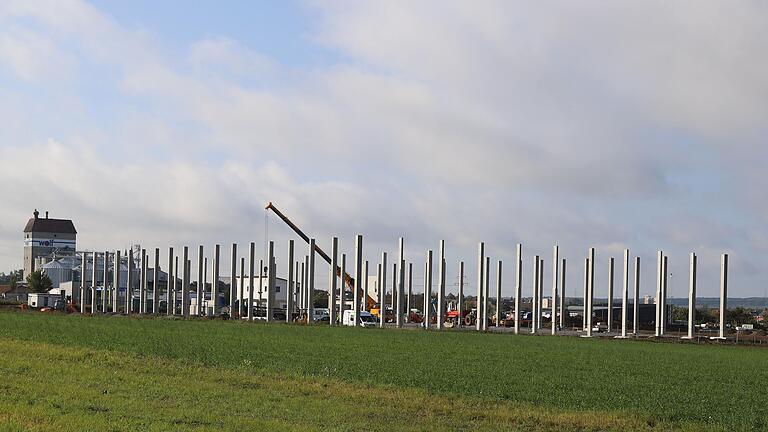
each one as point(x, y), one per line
point(260, 294)
point(17, 294)
point(42, 300)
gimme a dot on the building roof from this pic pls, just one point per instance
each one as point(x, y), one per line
point(6, 289)
point(38, 224)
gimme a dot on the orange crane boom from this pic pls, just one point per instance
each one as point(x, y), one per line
point(348, 280)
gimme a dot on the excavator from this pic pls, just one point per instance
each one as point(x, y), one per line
point(370, 304)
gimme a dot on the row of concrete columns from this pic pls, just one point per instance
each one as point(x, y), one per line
point(301, 286)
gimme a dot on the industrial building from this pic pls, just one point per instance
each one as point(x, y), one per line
point(260, 294)
point(46, 237)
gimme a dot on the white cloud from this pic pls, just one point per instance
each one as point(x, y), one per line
point(608, 124)
point(34, 57)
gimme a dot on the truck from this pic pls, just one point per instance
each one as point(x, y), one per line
point(366, 319)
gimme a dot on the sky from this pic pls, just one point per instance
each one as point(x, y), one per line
point(611, 125)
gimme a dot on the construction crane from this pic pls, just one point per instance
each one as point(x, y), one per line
point(348, 280)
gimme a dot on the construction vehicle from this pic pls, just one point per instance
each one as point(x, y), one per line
point(454, 317)
point(390, 313)
point(349, 282)
point(415, 316)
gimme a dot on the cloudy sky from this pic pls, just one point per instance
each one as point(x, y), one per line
point(638, 124)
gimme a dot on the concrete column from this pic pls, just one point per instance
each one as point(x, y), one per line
point(665, 296)
point(215, 279)
point(555, 271)
point(591, 291)
point(332, 279)
point(518, 286)
point(295, 288)
point(428, 292)
point(170, 286)
point(271, 278)
point(300, 285)
point(104, 295)
point(144, 283)
point(441, 286)
point(610, 293)
point(365, 286)
point(251, 271)
point(382, 291)
point(81, 294)
point(378, 286)
point(175, 275)
point(624, 294)
point(460, 306)
point(342, 297)
point(129, 284)
point(358, 276)
point(311, 281)
point(116, 283)
point(487, 291)
point(636, 304)
point(233, 280)
point(241, 293)
point(480, 275)
point(260, 287)
point(498, 294)
point(395, 270)
point(94, 283)
point(425, 314)
point(540, 298)
point(400, 283)
point(300, 291)
point(289, 294)
point(200, 280)
point(692, 297)
point(585, 306)
point(156, 283)
point(185, 283)
point(659, 282)
point(410, 292)
point(534, 298)
point(723, 293)
point(563, 310)
point(188, 294)
point(393, 299)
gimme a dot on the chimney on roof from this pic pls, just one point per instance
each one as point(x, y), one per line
point(46, 214)
point(36, 213)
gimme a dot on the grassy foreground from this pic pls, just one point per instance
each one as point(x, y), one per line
point(117, 373)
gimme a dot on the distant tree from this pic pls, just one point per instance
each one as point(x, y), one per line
point(679, 313)
point(707, 315)
point(738, 316)
point(12, 279)
point(39, 282)
point(320, 299)
point(5, 278)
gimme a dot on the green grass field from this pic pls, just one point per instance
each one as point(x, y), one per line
point(117, 373)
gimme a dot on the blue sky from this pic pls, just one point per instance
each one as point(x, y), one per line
point(281, 30)
point(629, 124)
